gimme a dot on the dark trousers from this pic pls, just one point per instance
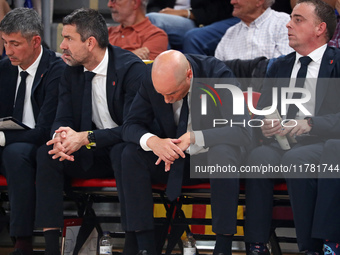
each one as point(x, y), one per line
point(18, 165)
point(52, 173)
point(302, 192)
point(139, 171)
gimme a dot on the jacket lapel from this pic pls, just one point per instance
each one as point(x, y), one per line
point(111, 85)
point(42, 69)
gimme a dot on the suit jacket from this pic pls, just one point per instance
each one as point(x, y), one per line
point(124, 76)
point(44, 97)
point(327, 108)
point(205, 12)
point(149, 105)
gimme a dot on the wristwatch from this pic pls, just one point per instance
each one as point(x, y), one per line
point(309, 121)
point(91, 138)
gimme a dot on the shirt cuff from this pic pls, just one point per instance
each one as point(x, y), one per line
point(143, 141)
point(199, 138)
point(2, 139)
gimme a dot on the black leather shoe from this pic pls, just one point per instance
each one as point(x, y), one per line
point(143, 252)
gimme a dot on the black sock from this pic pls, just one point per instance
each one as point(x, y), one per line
point(130, 245)
point(146, 241)
point(52, 242)
point(24, 243)
point(223, 244)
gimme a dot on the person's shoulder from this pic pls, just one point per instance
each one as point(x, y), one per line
point(207, 63)
point(5, 64)
point(123, 55)
point(152, 28)
point(53, 58)
point(123, 59)
point(278, 16)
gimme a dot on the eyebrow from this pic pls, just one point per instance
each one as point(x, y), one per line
point(297, 15)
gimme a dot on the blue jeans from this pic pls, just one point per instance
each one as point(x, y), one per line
point(175, 27)
point(204, 40)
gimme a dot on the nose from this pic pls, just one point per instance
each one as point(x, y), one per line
point(8, 49)
point(233, 2)
point(167, 99)
point(63, 45)
point(110, 3)
point(289, 24)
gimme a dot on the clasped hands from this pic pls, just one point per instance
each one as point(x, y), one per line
point(292, 127)
point(65, 142)
point(168, 149)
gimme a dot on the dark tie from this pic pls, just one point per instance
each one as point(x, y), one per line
point(174, 184)
point(20, 99)
point(300, 82)
point(86, 115)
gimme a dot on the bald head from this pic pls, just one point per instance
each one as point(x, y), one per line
point(171, 75)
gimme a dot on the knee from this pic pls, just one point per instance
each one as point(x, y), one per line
point(291, 157)
point(332, 144)
point(155, 18)
point(263, 155)
point(192, 36)
point(17, 152)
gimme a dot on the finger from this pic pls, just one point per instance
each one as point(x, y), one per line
point(63, 134)
point(53, 141)
point(159, 160)
point(167, 167)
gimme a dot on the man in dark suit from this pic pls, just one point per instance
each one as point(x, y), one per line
point(96, 91)
point(29, 80)
point(177, 140)
point(311, 26)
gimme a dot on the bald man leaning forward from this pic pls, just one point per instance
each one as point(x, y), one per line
point(162, 152)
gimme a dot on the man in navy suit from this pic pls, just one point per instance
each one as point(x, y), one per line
point(96, 91)
point(311, 26)
point(164, 100)
point(22, 33)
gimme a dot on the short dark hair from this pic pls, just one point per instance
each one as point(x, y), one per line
point(325, 13)
point(24, 20)
point(89, 23)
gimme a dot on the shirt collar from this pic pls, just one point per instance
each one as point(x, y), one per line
point(137, 27)
point(101, 69)
point(315, 55)
point(32, 69)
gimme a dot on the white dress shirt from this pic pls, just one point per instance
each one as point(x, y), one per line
point(100, 111)
point(266, 36)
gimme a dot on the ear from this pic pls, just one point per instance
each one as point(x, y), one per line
point(136, 4)
point(36, 41)
point(91, 43)
point(260, 3)
point(321, 29)
point(189, 74)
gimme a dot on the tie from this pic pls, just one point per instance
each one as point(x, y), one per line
point(86, 115)
point(300, 81)
point(20, 99)
point(174, 184)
